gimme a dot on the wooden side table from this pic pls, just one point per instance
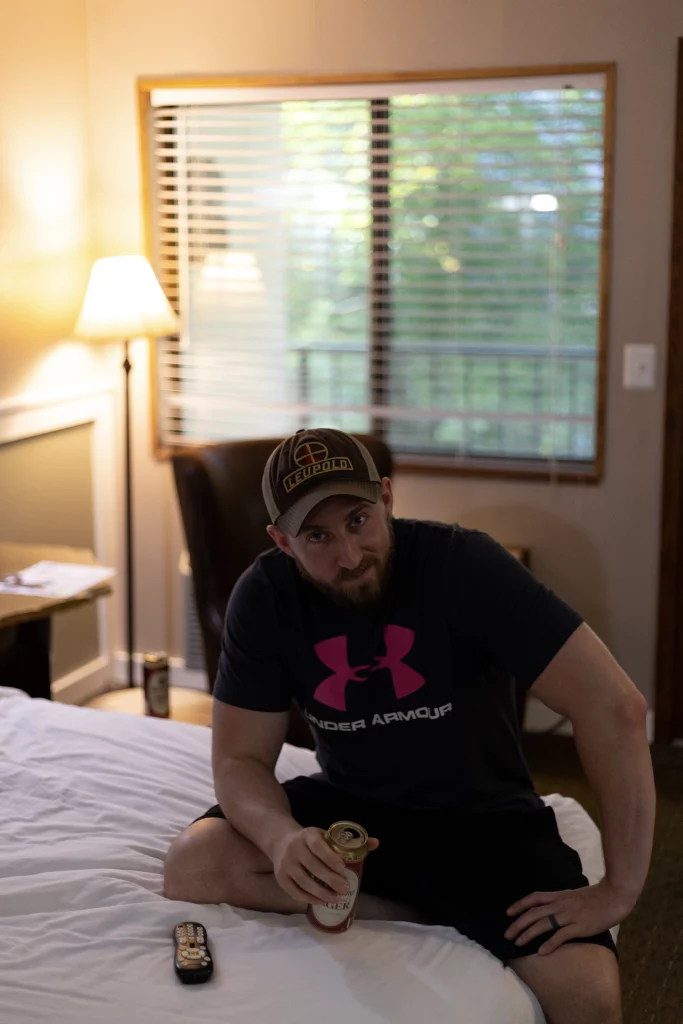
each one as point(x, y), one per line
point(25, 620)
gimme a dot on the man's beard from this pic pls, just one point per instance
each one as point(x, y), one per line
point(369, 591)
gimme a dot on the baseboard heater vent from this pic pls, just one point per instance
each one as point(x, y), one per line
point(193, 650)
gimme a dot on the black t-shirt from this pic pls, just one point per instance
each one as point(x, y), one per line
point(411, 699)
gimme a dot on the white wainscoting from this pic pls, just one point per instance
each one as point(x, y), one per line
point(32, 414)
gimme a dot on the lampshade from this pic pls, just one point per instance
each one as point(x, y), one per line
point(124, 300)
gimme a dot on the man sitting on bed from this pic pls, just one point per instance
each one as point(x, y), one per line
point(399, 641)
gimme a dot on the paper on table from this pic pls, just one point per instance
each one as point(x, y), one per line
point(56, 579)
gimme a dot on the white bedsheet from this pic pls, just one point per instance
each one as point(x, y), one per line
point(89, 803)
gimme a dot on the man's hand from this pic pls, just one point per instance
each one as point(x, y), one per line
point(579, 913)
point(303, 861)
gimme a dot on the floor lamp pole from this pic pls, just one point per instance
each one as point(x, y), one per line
point(129, 524)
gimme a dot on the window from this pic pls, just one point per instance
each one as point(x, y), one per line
point(425, 260)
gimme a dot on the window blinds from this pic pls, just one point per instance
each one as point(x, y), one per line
point(423, 261)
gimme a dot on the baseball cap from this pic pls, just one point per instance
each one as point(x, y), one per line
point(312, 465)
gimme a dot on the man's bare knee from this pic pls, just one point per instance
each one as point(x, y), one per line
point(576, 984)
point(204, 862)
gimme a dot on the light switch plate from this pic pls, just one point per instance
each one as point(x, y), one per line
point(640, 366)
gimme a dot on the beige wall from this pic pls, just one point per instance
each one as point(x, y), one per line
point(45, 481)
point(597, 546)
point(48, 484)
point(44, 200)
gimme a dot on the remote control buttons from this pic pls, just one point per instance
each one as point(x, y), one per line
point(193, 962)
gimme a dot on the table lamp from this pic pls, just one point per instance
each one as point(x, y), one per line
point(123, 301)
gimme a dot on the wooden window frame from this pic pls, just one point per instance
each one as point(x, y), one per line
point(488, 466)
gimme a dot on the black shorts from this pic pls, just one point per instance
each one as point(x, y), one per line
point(461, 871)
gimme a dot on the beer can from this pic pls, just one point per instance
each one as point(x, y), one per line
point(155, 681)
point(350, 842)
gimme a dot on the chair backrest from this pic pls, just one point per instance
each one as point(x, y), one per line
point(225, 519)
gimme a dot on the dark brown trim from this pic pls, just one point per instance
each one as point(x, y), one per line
point(148, 83)
point(605, 268)
point(669, 678)
point(501, 468)
point(144, 105)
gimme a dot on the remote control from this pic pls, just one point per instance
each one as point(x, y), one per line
point(192, 959)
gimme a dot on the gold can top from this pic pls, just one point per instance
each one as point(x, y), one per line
point(348, 839)
point(155, 658)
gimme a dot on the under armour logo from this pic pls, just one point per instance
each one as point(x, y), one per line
point(334, 654)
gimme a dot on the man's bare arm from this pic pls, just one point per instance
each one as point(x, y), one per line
point(584, 682)
point(245, 749)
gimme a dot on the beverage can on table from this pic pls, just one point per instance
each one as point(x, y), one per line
point(350, 841)
point(155, 682)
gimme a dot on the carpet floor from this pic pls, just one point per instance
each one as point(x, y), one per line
point(651, 939)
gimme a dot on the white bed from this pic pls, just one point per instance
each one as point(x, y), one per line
point(89, 802)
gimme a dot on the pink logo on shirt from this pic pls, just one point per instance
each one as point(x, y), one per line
point(334, 654)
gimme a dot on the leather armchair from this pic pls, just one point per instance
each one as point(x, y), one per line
point(225, 519)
